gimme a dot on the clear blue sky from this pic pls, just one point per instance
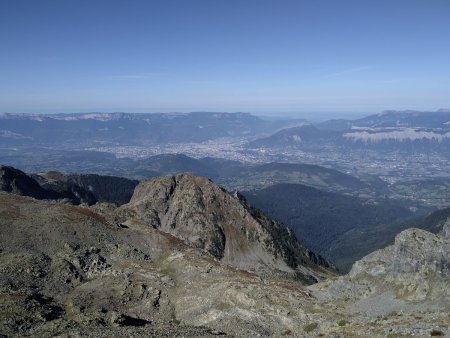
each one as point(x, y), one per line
point(259, 56)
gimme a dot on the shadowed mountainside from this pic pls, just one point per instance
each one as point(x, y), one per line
point(17, 182)
point(68, 188)
point(322, 219)
point(111, 189)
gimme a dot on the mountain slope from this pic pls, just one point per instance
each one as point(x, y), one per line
point(81, 275)
point(77, 271)
point(392, 118)
point(17, 182)
point(89, 272)
point(406, 118)
point(200, 212)
point(70, 188)
point(265, 175)
point(359, 242)
point(111, 189)
point(306, 135)
point(321, 219)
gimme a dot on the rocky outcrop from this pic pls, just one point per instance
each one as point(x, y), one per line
point(57, 182)
point(445, 232)
point(88, 188)
point(417, 266)
point(413, 274)
point(68, 188)
point(17, 182)
point(198, 211)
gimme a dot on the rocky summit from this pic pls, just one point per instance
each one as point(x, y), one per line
point(184, 258)
point(198, 211)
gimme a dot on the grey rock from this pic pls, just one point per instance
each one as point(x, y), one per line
point(413, 274)
point(196, 210)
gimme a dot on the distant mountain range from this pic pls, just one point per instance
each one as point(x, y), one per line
point(409, 131)
point(130, 129)
point(403, 130)
point(393, 146)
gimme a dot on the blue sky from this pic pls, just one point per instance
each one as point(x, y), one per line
point(266, 57)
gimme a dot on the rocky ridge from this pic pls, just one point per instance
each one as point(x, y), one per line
point(205, 215)
point(89, 188)
point(152, 267)
point(17, 182)
point(68, 188)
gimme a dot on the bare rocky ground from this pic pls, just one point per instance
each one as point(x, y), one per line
point(134, 271)
point(402, 290)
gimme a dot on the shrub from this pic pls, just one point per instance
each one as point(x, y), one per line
point(343, 322)
point(310, 327)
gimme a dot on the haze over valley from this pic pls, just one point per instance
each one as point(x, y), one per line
point(391, 149)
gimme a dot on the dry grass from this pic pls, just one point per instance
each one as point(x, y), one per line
point(85, 212)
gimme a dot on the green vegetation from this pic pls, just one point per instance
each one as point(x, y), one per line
point(434, 192)
point(358, 242)
point(310, 327)
point(320, 218)
point(343, 322)
point(284, 241)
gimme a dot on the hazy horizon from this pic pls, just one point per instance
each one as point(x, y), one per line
point(312, 116)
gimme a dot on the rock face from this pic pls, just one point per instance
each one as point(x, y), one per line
point(88, 188)
point(17, 182)
point(417, 266)
point(401, 290)
point(413, 273)
point(205, 215)
point(446, 229)
point(69, 188)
